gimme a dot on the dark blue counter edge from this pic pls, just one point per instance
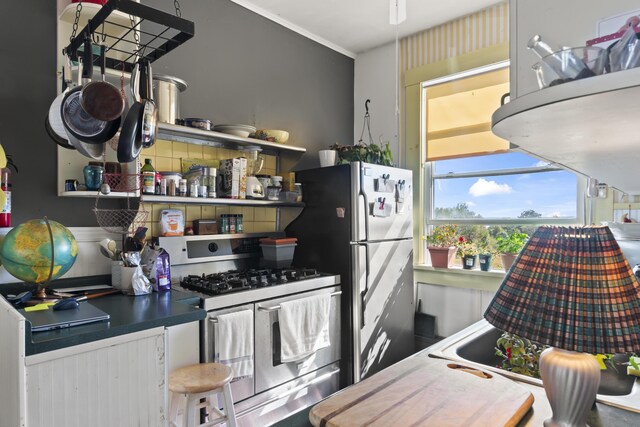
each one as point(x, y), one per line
point(180, 307)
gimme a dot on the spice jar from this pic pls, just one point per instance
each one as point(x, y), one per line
point(273, 192)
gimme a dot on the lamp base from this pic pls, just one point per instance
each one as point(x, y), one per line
point(571, 382)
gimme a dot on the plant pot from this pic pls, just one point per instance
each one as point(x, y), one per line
point(442, 257)
point(469, 261)
point(485, 261)
point(508, 260)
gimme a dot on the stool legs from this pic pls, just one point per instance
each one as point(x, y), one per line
point(228, 405)
point(190, 404)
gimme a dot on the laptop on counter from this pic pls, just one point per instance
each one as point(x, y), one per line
point(47, 320)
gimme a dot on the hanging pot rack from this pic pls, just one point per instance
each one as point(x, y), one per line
point(165, 32)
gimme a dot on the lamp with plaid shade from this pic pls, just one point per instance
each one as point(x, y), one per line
point(570, 288)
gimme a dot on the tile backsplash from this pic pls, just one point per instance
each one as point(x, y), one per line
point(166, 157)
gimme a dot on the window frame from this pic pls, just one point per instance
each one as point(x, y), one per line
point(429, 176)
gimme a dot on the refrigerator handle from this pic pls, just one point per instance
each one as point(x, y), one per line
point(363, 294)
point(366, 208)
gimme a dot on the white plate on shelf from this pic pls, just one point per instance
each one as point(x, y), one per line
point(237, 130)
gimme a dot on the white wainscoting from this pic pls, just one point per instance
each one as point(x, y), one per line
point(12, 370)
point(90, 262)
point(114, 382)
point(454, 308)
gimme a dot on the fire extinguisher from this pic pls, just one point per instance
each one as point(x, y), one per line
point(5, 185)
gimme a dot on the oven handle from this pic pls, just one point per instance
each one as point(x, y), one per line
point(278, 307)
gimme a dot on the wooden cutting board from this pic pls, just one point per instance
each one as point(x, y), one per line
point(421, 391)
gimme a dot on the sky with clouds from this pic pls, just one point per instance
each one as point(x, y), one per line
point(553, 194)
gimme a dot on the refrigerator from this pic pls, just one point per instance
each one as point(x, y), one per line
point(357, 222)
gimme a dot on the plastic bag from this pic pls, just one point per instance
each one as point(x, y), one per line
point(140, 283)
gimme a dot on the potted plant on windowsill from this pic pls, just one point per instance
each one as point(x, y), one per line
point(485, 255)
point(442, 245)
point(468, 251)
point(509, 247)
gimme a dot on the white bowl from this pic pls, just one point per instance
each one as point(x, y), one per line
point(237, 130)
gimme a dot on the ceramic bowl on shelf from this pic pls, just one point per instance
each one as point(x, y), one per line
point(570, 64)
point(273, 135)
point(237, 130)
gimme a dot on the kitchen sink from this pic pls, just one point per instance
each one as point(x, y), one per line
point(476, 345)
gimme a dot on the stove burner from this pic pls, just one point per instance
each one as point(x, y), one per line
point(235, 281)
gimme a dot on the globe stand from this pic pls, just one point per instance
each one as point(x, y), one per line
point(41, 294)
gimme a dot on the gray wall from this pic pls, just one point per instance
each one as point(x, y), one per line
point(241, 68)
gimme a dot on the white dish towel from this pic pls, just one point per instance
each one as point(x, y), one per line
point(304, 326)
point(234, 342)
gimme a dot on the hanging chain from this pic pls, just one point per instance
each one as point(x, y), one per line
point(75, 21)
point(136, 36)
point(122, 81)
point(176, 4)
point(367, 123)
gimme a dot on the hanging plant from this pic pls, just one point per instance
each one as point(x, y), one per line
point(362, 152)
point(372, 153)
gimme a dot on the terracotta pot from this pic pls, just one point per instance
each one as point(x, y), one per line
point(508, 260)
point(442, 257)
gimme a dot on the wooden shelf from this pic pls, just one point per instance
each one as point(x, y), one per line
point(587, 125)
point(218, 139)
point(220, 202)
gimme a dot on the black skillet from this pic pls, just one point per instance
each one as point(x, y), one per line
point(130, 142)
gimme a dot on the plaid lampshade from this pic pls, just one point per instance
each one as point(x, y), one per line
point(571, 288)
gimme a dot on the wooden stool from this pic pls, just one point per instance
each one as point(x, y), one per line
point(195, 382)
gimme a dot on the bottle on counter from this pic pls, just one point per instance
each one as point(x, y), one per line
point(163, 271)
point(148, 177)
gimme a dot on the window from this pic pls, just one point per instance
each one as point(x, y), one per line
point(473, 178)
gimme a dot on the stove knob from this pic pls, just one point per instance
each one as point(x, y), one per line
point(213, 247)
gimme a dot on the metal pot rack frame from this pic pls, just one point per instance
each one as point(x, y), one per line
point(169, 32)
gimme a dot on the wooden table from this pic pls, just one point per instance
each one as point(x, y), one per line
point(422, 391)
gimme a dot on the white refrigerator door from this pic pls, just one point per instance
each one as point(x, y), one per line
point(383, 305)
point(383, 202)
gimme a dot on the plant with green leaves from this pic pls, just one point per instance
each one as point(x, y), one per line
point(369, 153)
point(466, 247)
point(444, 236)
point(519, 355)
point(512, 244)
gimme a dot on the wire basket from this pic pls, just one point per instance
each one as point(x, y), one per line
point(121, 221)
point(124, 182)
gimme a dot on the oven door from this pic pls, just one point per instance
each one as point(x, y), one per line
point(270, 372)
point(240, 389)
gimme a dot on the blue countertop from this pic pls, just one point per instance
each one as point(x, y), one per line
point(128, 314)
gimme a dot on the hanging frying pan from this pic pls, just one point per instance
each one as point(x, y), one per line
point(130, 142)
point(101, 99)
point(53, 122)
point(76, 120)
point(149, 125)
point(62, 142)
point(93, 151)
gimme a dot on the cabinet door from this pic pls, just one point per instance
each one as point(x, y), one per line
point(114, 382)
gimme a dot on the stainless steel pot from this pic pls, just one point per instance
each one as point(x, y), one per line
point(165, 93)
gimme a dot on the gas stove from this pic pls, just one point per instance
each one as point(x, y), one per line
point(226, 270)
point(237, 281)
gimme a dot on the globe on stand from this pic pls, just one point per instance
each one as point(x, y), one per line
point(38, 251)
